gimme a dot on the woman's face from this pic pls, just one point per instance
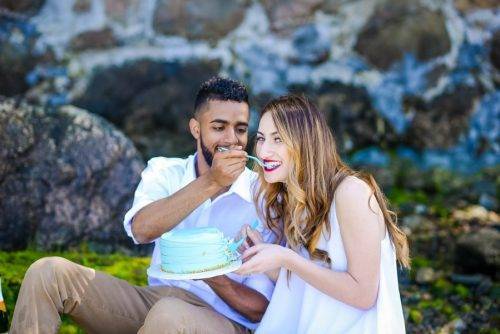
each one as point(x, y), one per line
point(271, 150)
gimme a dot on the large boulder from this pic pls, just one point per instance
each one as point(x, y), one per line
point(286, 16)
point(495, 50)
point(479, 252)
point(151, 101)
point(23, 7)
point(198, 19)
point(398, 27)
point(441, 122)
point(66, 177)
point(471, 5)
point(350, 113)
point(17, 49)
point(94, 39)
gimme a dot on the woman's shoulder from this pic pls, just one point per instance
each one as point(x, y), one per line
point(352, 187)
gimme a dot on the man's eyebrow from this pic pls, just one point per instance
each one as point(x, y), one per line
point(223, 121)
point(219, 121)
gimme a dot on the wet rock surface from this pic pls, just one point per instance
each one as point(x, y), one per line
point(66, 177)
point(150, 101)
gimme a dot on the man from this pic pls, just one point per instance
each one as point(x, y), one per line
point(209, 188)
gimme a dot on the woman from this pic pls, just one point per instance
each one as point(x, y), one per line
point(335, 267)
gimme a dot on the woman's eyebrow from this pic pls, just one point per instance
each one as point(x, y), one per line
point(272, 134)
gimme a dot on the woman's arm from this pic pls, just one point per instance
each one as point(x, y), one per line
point(361, 230)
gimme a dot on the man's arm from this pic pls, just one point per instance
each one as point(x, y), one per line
point(161, 216)
point(247, 301)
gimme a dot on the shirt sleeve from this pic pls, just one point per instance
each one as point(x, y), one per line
point(156, 183)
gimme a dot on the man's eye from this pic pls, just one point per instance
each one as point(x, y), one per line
point(218, 128)
point(242, 130)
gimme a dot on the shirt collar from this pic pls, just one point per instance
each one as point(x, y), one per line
point(243, 186)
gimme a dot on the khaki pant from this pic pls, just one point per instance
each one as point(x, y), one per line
point(100, 303)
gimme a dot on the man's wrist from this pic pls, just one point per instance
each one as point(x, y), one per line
point(220, 281)
point(211, 184)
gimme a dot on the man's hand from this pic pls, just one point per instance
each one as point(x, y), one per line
point(227, 166)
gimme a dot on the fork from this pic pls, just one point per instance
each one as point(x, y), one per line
point(257, 160)
point(233, 247)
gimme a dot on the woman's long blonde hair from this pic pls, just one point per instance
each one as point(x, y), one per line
point(299, 209)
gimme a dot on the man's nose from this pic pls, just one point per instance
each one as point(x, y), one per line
point(230, 137)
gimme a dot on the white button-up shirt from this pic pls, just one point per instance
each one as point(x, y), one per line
point(228, 212)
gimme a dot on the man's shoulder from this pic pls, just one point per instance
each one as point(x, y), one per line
point(166, 165)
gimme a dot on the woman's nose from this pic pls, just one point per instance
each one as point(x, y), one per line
point(263, 150)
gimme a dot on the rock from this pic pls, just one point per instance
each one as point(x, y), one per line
point(469, 5)
point(425, 275)
point(82, 6)
point(439, 123)
point(418, 223)
point(151, 101)
point(470, 280)
point(477, 214)
point(285, 16)
point(479, 252)
point(122, 11)
point(66, 177)
point(454, 326)
point(96, 39)
point(25, 7)
point(495, 50)
point(355, 123)
point(398, 27)
point(17, 41)
point(310, 47)
point(198, 19)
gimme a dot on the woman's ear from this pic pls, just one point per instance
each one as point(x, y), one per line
point(194, 127)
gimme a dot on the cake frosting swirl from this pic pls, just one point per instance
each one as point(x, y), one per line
point(195, 250)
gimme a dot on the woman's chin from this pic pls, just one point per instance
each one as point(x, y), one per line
point(272, 179)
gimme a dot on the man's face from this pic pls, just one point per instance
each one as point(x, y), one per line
point(222, 123)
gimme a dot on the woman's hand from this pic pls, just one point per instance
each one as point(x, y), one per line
point(252, 237)
point(264, 258)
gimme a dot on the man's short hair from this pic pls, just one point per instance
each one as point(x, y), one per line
point(220, 89)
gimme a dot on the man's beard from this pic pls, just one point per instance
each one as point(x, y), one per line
point(209, 157)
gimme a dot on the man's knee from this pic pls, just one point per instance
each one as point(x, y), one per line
point(47, 268)
point(170, 312)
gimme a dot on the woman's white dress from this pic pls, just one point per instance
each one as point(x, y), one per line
point(301, 308)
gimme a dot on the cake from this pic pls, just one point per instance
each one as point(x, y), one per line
point(194, 250)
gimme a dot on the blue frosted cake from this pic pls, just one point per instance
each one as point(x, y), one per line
point(194, 250)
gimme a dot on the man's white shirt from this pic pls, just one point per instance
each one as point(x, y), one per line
point(228, 212)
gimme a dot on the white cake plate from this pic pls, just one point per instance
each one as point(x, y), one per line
point(156, 272)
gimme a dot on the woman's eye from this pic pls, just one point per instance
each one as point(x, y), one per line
point(259, 139)
point(277, 140)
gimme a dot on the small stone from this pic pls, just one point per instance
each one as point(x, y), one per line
point(82, 6)
point(97, 39)
point(425, 275)
point(454, 326)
